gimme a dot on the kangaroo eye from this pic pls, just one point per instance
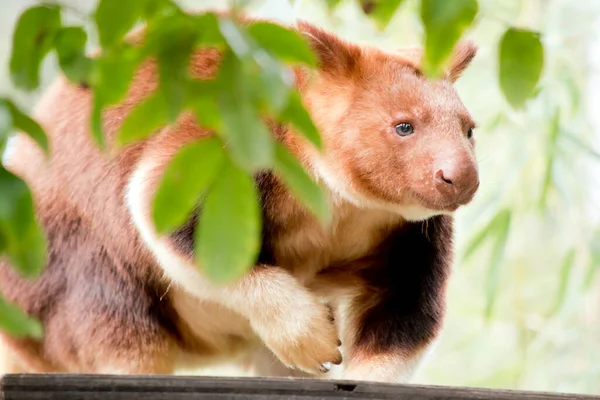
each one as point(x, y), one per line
point(470, 133)
point(404, 129)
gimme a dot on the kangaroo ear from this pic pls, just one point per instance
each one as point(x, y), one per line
point(334, 55)
point(411, 56)
point(463, 54)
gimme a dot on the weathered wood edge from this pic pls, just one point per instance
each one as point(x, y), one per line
point(70, 387)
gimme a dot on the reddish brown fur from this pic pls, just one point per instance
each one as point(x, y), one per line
point(109, 305)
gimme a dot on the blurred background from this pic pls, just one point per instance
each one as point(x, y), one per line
point(524, 298)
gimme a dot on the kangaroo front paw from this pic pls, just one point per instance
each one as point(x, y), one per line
point(304, 338)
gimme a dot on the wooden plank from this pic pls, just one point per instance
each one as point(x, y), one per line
point(109, 387)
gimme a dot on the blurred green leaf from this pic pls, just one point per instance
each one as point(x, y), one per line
point(476, 242)
point(520, 67)
point(250, 151)
point(565, 273)
point(24, 243)
point(113, 74)
point(271, 90)
point(207, 25)
point(332, 4)
point(551, 156)
point(236, 37)
point(301, 185)
point(159, 8)
point(501, 227)
point(6, 121)
point(445, 22)
point(96, 122)
point(22, 122)
point(16, 323)
point(147, 117)
point(202, 99)
point(381, 11)
point(70, 47)
point(282, 43)
point(581, 145)
point(115, 18)
point(229, 230)
point(187, 176)
point(594, 266)
point(296, 114)
point(595, 247)
point(488, 231)
point(495, 122)
point(172, 39)
point(267, 83)
point(574, 91)
point(32, 40)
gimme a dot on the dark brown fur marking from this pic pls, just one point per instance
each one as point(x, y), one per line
point(406, 288)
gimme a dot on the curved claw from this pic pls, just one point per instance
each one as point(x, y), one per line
point(325, 367)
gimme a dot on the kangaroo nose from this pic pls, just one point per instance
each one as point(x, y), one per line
point(457, 180)
point(444, 180)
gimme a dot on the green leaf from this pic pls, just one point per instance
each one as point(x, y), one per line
point(445, 22)
point(32, 40)
point(301, 185)
point(594, 251)
point(113, 73)
point(476, 242)
point(282, 43)
point(207, 25)
point(115, 18)
point(236, 36)
point(6, 121)
point(501, 230)
point(159, 8)
point(551, 156)
point(16, 323)
point(253, 150)
point(25, 124)
point(565, 274)
point(249, 150)
point(595, 247)
point(24, 242)
point(229, 230)
point(70, 47)
point(143, 120)
point(488, 231)
point(172, 39)
point(187, 176)
point(96, 123)
point(202, 99)
point(381, 11)
point(574, 90)
point(586, 147)
point(296, 114)
point(520, 67)
point(266, 82)
point(270, 89)
point(331, 4)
